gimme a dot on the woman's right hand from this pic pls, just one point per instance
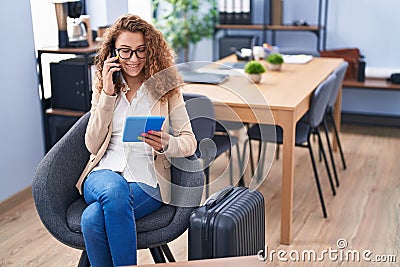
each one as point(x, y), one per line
point(110, 66)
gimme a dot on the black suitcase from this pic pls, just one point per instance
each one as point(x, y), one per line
point(231, 223)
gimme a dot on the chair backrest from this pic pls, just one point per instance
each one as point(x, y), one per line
point(201, 113)
point(53, 185)
point(340, 73)
point(202, 118)
point(224, 126)
point(319, 101)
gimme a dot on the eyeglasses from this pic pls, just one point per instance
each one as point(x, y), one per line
point(126, 53)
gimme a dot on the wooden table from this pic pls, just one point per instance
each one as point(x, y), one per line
point(286, 94)
point(247, 261)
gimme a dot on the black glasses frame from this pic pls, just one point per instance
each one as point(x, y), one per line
point(131, 52)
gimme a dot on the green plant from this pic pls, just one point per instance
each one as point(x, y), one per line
point(275, 58)
point(254, 67)
point(185, 22)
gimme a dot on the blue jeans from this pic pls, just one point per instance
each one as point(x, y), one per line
point(108, 223)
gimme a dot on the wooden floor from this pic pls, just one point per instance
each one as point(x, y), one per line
point(365, 212)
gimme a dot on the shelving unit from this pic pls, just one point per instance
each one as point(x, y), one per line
point(50, 112)
point(319, 30)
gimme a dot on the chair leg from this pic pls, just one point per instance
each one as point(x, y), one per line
point(168, 253)
point(337, 139)
point(230, 166)
point(157, 255)
point(251, 158)
point(321, 196)
point(257, 168)
point(241, 164)
point(319, 152)
point(207, 174)
point(84, 260)
point(331, 153)
point(278, 148)
point(260, 167)
point(326, 162)
point(319, 148)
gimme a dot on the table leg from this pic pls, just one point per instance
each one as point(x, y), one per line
point(289, 131)
point(337, 112)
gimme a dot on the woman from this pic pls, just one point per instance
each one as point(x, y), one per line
point(120, 187)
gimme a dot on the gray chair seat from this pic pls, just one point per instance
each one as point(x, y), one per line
point(74, 214)
point(301, 133)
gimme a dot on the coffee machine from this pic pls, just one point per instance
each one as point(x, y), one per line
point(72, 32)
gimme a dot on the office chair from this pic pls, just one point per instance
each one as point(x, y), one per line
point(304, 129)
point(210, 144)
point(60, 206)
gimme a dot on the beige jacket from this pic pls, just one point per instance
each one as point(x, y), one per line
point(181, 144)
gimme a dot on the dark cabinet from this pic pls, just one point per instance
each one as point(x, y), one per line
point(69, 87)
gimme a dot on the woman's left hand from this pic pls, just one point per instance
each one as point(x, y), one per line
point(157, 139)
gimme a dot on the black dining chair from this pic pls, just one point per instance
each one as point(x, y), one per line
point(60, 205)
point(340, 74)
point(211, 143)
point(304, 129)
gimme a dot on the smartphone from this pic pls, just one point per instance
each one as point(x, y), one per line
point(117, 74)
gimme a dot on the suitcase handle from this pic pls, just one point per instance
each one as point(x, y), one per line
point(213, 201)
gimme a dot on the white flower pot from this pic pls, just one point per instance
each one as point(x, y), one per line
point(274, 66)
point(254, 77)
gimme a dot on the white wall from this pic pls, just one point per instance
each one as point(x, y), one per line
point(44, 23)
point(142, 8)
point(370, 25)
point(105, 12)
point(21, 135)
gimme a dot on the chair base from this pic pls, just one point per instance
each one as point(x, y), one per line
point(162, 253)
point(84, 260)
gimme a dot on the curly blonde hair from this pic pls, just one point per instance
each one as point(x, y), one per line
point(159, 56)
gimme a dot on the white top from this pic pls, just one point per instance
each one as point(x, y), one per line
point(133, 160)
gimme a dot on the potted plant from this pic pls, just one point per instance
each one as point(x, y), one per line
point(185, 22)
point(275, 61)
point(254, 69)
